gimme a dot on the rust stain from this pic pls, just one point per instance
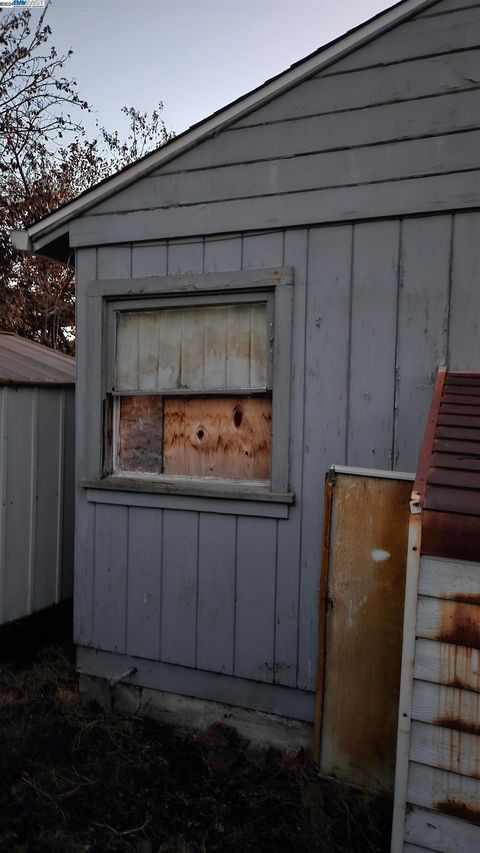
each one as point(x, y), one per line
point(364, 630)
point(458, 725)
point(463, 597)
point(459, 624)
point(458, 809)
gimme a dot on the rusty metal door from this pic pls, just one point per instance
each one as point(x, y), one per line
point(361, 621)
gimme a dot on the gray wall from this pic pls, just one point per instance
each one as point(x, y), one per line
point(37, 498)
point(381, 298)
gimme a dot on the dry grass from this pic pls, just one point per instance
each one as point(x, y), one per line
point(74, 778)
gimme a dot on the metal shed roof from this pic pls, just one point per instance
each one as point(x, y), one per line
point(24, 362)
point(448, 476)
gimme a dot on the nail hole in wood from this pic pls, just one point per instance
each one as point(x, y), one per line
point(200, 434)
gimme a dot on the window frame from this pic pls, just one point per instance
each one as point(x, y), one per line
point(108, 297)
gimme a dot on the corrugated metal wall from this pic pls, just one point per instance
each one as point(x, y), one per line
point(37, 491)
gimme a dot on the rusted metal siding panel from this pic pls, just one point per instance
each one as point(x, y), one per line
point(366, 578)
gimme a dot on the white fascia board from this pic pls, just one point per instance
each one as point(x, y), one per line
point(352, 40)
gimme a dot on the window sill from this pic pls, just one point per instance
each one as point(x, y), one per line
point(221, 490)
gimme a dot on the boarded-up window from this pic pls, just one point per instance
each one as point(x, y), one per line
point(193, 393)
point(219, 348)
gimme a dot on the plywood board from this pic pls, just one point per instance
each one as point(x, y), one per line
point(364, 620)
point(140, 434)
point(218, 437)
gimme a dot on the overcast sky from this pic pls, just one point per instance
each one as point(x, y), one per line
point(194, 55)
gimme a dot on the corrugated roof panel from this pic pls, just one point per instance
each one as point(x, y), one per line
point(448, 476)
point(24, 362)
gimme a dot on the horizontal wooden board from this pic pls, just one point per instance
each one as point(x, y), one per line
point(461, 478)
point(448, 622)
point(445, 792)
point(452, 579)
point(455, 461)
point(450, 534)
point(445, 748)
point(450, 113)
point(463, 433)
point(455, 500)
point(456, 419)
point(449, 707)
point(218, 437)
point(441, 833)
point(413, 158)
point(457, 389)
point(417, 37)
point(443, 663)
point(458, 378)
point(326, 92)
point(440, 193)
point(452, 409)
point(461, 399)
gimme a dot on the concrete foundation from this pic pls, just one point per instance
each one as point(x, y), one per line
point(262, 729)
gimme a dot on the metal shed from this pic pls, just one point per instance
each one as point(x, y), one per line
point(37, 393)
point(319, 238)
point(437, 787)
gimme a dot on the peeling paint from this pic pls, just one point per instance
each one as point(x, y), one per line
point(379, 556)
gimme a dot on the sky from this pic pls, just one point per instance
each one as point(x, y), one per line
point(193, 55)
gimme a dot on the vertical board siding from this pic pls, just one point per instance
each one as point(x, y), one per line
point(423, 316)
point(84, 552)
point(179, 587)
point(327, 351)
point(465, 300)
point(372, 362)
point(255, 597)
point(216, 592)
point(371, 303)
point(289, 532)
point(110, 591)
point(149, 260)
point(144, 582)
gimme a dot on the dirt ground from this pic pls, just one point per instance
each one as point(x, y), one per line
point(74, 778)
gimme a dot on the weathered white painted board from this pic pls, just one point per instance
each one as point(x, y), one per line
point(196, 349)
point(448, 621)
point(441, 833)
point(439, 790)
point(446, 749)
point(450, 579)
point(446, 664)
point(437, 703)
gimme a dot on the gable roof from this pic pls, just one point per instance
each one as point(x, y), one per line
point(24, 362)
point(50, 231)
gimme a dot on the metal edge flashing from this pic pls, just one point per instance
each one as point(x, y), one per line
point(372, 472)
point(312, 64)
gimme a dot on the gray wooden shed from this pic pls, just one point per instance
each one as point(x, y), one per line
point(37, 449)
point(321, 235)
